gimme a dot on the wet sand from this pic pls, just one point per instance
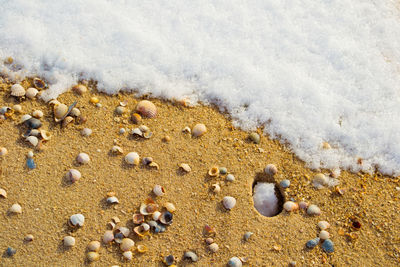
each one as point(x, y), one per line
point(48, 200)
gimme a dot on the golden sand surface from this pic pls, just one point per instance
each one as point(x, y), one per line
point(48, 200)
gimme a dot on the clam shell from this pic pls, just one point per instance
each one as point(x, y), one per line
point(75, 112)
point(17, 90)
point(77, 220)
point(117, 150)
point(313, 210)
point(320, 180)
point(128, 255)
point(123, 230)
point(33, 140)
point(146, 109)
point(108, 236)
point(120, 110)
point(229, 202)
point(24, 118)
point(234, 262)
point(213, 247)
point(156, 215)
point(69, 241)
point(92, 256)
point(94, 246)
point(137, 131)
point(145, 227)
point(127, 244)
point(324, 235)
point(138, 218)
point(66, 121)
point(73, 175)
point(199, 130)
point(140, 230)
point(132, 158)
point(15, 208)
point(270, 169)
point(112, 200)
point(60, 112)
point(46, 135)
point(54, 102)
point(39, 84)
point(169, 206)
point(158, 190)
point(31, 93)
point(16, 108)
point(323, 225)
point(83, 158)
point(166, 217)
point(37, 114)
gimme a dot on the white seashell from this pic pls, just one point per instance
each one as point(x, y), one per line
point(15, 208)
point(127, 244)
point(229, 202)
point(144, 128)
point(169, 206)
point(234, 262)
point(199, 129)
point(185, 167)
point(3, 151)
point(156, 215)
point(120, 110)
point(77, 219)
point(31, 93)
point(17, 90)
point(37, 114)
point(320, 180)
point(86, 132)
point(54, 102)
point(30, 154)
point(270, 169)
point(128, 255)
point(124, 231)
point(132, 158)
point(46, 135)
point(25, 118)
point(137, 131)
point(145, 227)
point(60, 111)
point(146, 109)
point(69, 241)
point(34, 132)
point(17, 108)
point(28, 238)
point(117, 150)
point(73, 175)
point(290, 206)
point(186, 130)
point(83, 158)
point(230, 178)
point(112, 200)
point(108, 236)
point(216, 188)
point(33, 140)
point(3, 193)
point(303, 205)
point(158, 190)
point(213, 247)
point(323, 225)
point(94, 246)
point(324, 235)
point(313, 210)
point(75, 112)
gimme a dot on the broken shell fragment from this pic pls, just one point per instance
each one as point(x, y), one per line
point(3, 151)
point(138, 218)
point(15, 208)
point(214, 171)
point(156, 215)
point(166, 218)
point(33, 140)
point(17, 90)
point(73, 175)
point(216, 188)
point(141, 230)
point(158, 190)
point(320, 180)
point(117, 150)
point(86, 132)
point(185, 167)
point(142, 248)
point(147, 135)
point(77, 220)
point(123, 230)
point(191, 255)
point(147, 160)
point(3, 193)
point(94, 246)
point(39, 83)
point(112, 200)
point(79, 89)
point(323, 225)
point(132, 158)
point(169, 206)
point(67, 121)
point(37, 114)
point(46, 135)
point(154, 165)
point(229, 202)
point(24, 118)
point(199, 130)
point(136, 118)
point(146, 109)
point(137, 131)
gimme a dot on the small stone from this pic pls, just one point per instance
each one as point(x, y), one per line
point(223, 170)
point(11, 251)
point(313, 210)
point(254, 137)
point(312, 243)
point(230, 178)
point(30, 154)
point(213, 247)
point(247, 235)
point(28, 238)
point(328, 246)
point(166, 139)
point(285, 183)
point(69, 241)
point(92, 256)
point(324, 235)
point(235, 262)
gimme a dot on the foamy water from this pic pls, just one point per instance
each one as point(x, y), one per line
point(309, 71)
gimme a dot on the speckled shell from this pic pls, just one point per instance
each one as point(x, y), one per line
point(17, 90)
point(146, 109)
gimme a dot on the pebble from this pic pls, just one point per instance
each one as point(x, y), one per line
point(230, 178)
point(254, 137)
point(29, 238)
point(312, 243)
point(313, 210)
point(17, 108)
point(235, 262)
point(37, 114)
point(271, 169)
point(83, 158)
point(285, 183)
point(223, 170)
point(229, 202)
point(15, 208)
point(122, 131)
point(213, 247)
point(290, 206)
point(86, 132)
point(92, 256)
point(30, 163)
point(324, 235)
point(11, 251)
point(69, 241)
point(247, 235)
point(191, 255)
point(328, 246)
point(3, 151)
point(30, 154)
point(323, 225)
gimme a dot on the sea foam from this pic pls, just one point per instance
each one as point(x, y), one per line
point(308, 71)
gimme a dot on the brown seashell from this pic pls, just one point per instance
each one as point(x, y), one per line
point(136, 118)
point(140, 231)
point(138, 218)
point(39, 84)
point(146, 108)
point(79, 89)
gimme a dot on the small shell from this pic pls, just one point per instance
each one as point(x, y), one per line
point(141, 231)
point(313, 210)
point(17, 108)
point(79, 89)
point(324, 235)
point(83, 158)
point(28, 238)
point(223, 170)
point(191, 255)
point(144, 128)
point(132, 158)
point(73, 175)
point(117, 150)
point(312, 243)
point(328, 246)
point(94, 246)
point(67, 121)
point(136, 118)
point(33, 140)
point(60, 111)
point(54, 102)
point(24, 118)
point(270, 169)
point(166, 217)
point(77, 220)
point(290, 206)
point(158, 190)
point(33, 123)
point(86, 132)
point(137, 131)
point(37, 114)
point(46, 135)
point(216, 188)
point(15, 208)
point(17, 90)
point(213, 247)
point(230, 178)
point(254, 137)
point(69, 241)
point(145, 227)
point(128, 255)
point(147, 135)
point(142, 248)
point(108, 236)
point(154, 165)
point(234, 262)
point(147, 160)
point(3, 193)
point(123, 230)
point(185, 167)
point(115, 219)
point(112, 200)
point(39, 84)
point(75, 112)
point(214, 171)
point(138, 218)
point(323, 225)
point(146, 108)
point(31, 93)
point(120, 110)
point(229, 202)
point(303, 205)
point(320, 180)
point(186, 130)
point(199, 130)
point(169, 206)
point(3, 151)
point(247, 235)
point(92, 256)
point(111, 225)
point(156, 215)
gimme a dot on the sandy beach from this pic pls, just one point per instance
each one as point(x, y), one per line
point(48, 199)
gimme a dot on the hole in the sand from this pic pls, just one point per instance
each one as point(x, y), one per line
point(267, 197)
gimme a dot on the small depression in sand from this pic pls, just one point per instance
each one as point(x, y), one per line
point(267, 197)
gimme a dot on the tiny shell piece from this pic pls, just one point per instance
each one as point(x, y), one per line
point(170, 207)
point(158, 190)
point(254, 137)
point(28, 238)
point(86, 132)
point(108, 236)
point(17, 108)
point(24, 118)
point(132, 158)
point(15, 208)
point(3, 151)
point(117, 150)
point(17, 90)
point(199, 130)
point(46, 135)
point(39, 83)
point(142, 248)
point(83, 158)
point(156, 215)
point(136, 118)
point(186, 130)
point(213, 247)
point(216, 188)
point(127, 244)
point(146, 109)
point(92, 256)
point(313, 210)
point(94, 246)
point(3, 193)
point(128, 255)
point(229, 202)
point(209, 240)
point(185, 167)
point(74, 175)
point(75, 112)
point(214, 171)
point(77, 220)
point(31, 93)
point(112, 200)
point(270, 169)
point(323, 225)
point(138, 218)
point(166, 217)
point(247, 235)
point(120, 110)
point(115, 219)
point(69, 241)
point(191, 255)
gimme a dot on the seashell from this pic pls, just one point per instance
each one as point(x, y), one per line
point(216, 188)
point(111, 225)
point(324, 235)
point(142, 248)
point(93, 246)
point(147, 160)
point(303, 205)
point(169, 206)
point(166, 218)
point(117, 150)
point(15, 208)
point(312, 243)
point(169, 260)
point(145, 227)
point(73, 175)
point(69, 241)
point(46, 135)
point(323, 225)
point(158, 190)
point(186, 130)
point(136, 118)
point(79, 89)
point(313, 210)
point(146, 109)
point(185, 167)
point(148, 208)
point(54, 102)
point(138, 218)
point(270, 169)
point(3, 193)
point(37, 114)
point(247, 235)
point(320, 180)
point(31, 93)
point(326, 145)
point(290, 206)
point(108, 236)
point(33, 123)
point(223, 170)
point(30, 154)
point(39, 84)
point(328, 246)
point(120, 110)
point(77, 220)
point(123, 103)
point(123, 230)
point(156, 215)
point(24, 118)
point(199, 130)
point(141, 231)
point(83, 158)
point(17, 90)
point(166, 139)
point(254, 137)
point(4, 110)
point(154, 165)
point(214, 171)
point(28, 238)
point(86, 132)
point(285, 183)
point(94, 100)
point(11, 251)
point(209, 240)
point(191, 255)
point(144, 128)
point(33, 140)
point(3, 151)
point(112, 200)
point(75, 112)
point(92, 256)
point(128, 255)
point(115, 219)
point(17, 108)
point(230, 178)
point(147, 135)
point(132, 158)
point(60, 112)
point(67, 121)
point(229, 202)
point(234, 262)
point(213, 247)
point(137, 131)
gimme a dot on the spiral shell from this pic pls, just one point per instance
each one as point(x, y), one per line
point(146, 108)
